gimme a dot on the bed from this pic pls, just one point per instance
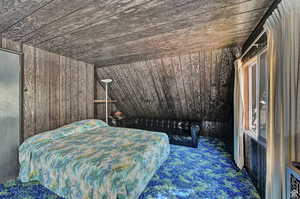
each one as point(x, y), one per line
point(89, 159)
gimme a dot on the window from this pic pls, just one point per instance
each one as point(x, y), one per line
point(252, 96)
point(256, 79)
point(263, 95)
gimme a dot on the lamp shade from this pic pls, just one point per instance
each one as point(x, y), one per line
point(106, 80)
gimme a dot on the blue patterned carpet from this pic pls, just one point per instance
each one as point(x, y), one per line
point(203, 173)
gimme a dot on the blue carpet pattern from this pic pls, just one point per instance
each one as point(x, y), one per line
point(207, 172)
point(203, 173)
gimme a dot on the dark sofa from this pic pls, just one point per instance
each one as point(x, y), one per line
point(180, 132)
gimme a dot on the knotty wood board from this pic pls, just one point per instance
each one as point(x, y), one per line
point(195, 86)
point(116, 32)
point(50, 81)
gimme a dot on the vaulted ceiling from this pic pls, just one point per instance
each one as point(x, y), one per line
point(107, 32)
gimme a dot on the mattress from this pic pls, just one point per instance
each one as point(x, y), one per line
point(88, 159)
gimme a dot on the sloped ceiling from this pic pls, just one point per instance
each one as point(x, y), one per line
point(106, 32)
point(196, 86)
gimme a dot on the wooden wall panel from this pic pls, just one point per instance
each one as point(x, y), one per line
point(74, 91)
point(90, 95)
point(196, 86)
point(164, 69)
point(54, 66)
point(154, 98)
point(82, 91)
point(57, 89)
point(62, 90)
point(9, 44)
point(180, 87)
point(29, 91)
point(68, 90)
point(42, 91)
point(195, 61)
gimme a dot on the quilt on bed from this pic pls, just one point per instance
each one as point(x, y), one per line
point(89, 159)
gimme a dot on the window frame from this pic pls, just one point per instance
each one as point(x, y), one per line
point(254, 132)
point(250, 89)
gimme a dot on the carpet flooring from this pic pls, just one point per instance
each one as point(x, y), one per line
point(203, 173)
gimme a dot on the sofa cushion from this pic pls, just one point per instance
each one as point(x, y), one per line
point(180, 132)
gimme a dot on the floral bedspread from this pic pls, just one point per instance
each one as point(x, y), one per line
point(88, 159)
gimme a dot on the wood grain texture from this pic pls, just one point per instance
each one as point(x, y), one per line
point(62, 90)
point(42, 91)
point(90, 87)
point(68, 90)
point(114, 32)
point(12, 11)
point(50, 81)
point(29, 91)
point(54, 66)
point(196, 86)
point(74, 90)
point(11, 45)
point(82, 92)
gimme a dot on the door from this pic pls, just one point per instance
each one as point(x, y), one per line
point(10, 110)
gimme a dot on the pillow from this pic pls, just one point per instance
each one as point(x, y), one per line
point(47, 137)
point(85, 125)
point(75, 127)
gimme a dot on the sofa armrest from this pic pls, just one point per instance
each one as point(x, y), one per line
point(195, 132)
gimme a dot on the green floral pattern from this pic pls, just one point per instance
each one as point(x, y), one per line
point(89, 159)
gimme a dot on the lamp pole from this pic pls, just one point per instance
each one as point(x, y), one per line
point(106, 81)
point(106, 103)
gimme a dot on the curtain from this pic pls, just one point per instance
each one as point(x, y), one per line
point(283, 32)
point(238, 115)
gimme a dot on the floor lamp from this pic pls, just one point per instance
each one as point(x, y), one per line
point(106, 81)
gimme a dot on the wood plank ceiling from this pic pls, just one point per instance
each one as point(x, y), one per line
point(119, 31)
point(196, 86)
